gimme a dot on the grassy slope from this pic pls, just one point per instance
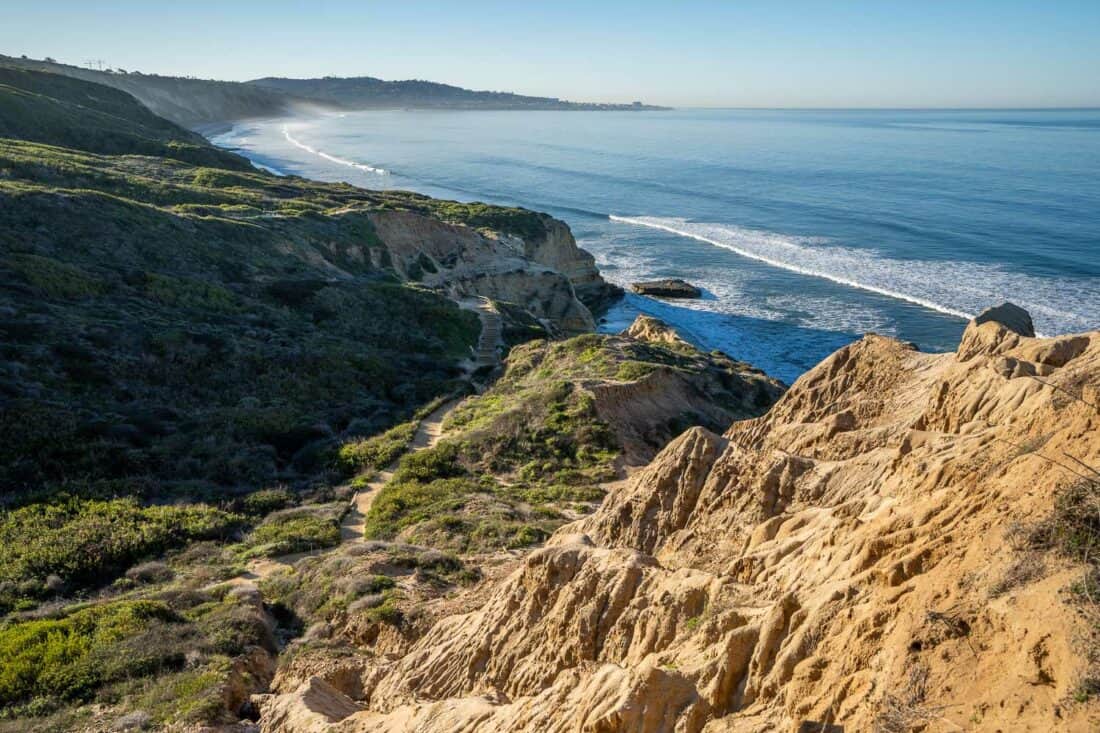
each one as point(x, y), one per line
point(231, 316)
point(63, 111)
point(180, 334)
point(531, 452)
point(185, 101)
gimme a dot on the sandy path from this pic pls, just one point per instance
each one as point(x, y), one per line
point(428, 433)
point(487, 353)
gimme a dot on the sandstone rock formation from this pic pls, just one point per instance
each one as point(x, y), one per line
point(648, 412)
point(558, 249)
point(843, 563)
point(647, 328)
point(543, 274)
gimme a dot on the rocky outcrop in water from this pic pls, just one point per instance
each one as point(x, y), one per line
point(671, 288)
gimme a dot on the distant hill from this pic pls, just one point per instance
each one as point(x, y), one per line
point(60, 110)
point(366, 92)
point(185, 101)
point(195, 103)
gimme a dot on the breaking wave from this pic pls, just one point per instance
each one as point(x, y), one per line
point(332, 158)
point(961, 289)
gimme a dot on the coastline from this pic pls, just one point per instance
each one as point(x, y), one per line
point(805, 271)
point(785, 357)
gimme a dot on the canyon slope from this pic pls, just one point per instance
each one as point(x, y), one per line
point(900, 543)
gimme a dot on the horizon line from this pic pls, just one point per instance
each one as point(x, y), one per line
point(749, 107)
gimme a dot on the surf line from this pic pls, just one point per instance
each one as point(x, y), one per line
point(931, 305)
point(341, 161)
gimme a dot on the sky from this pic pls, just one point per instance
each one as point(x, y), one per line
point(841, 53)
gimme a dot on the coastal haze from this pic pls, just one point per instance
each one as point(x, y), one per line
point(805, 228)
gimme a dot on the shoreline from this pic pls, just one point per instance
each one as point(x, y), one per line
point(785, 358)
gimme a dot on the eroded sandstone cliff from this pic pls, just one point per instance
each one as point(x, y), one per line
point(848, 562)
point(545, 273)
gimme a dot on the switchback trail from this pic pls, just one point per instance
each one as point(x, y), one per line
point(428, 433)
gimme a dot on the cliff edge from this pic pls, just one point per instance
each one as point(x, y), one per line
point(886, 549)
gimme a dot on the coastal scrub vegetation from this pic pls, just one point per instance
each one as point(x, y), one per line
point(532, 452)
point(68, 543)
point(205, 325)
point(194, 354)
point(378, 451)
point(374, 582)
point(168, 656)
point(300, 529)
point(549, 449)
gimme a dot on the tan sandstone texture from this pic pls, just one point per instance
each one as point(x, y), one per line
point(839, 564)
point(543, 275)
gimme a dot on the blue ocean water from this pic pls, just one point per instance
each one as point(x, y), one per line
point(804, 228)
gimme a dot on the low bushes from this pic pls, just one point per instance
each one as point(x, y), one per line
point(168, 656)
point(72, 656)
point(403, 503)
point(293, 530)
point(378, 451)
point(438, 462)
point(89, 542)
point(265, 501)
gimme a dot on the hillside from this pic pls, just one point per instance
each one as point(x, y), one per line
point(183, 100)
point(55, 109)
point(365, 92)
point(195, 103)
point(291, 456)
point(207, 372)
point(904, 542)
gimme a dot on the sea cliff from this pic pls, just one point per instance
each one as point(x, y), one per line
point(293, 456)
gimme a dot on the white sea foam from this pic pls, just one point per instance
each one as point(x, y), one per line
point(962, 289)
point(332, 158)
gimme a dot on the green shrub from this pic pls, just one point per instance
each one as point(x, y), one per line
point(402, 503)
point(521, 222)
point(72, 656)
point(189, 293)
point(90, 542)
point(326, 586)
point(291, 531)
point(429, 464)
point(192, 696)
point(57, 279)
point(630, 371)
point(265, 501)
point(231, 628)
point(389, 611)
point(378, 451)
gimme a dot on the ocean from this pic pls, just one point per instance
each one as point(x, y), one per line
point(804, 228)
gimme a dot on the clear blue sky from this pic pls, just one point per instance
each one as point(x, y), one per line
point(779, 53)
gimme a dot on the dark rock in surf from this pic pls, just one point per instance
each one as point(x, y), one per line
point(671, 288)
